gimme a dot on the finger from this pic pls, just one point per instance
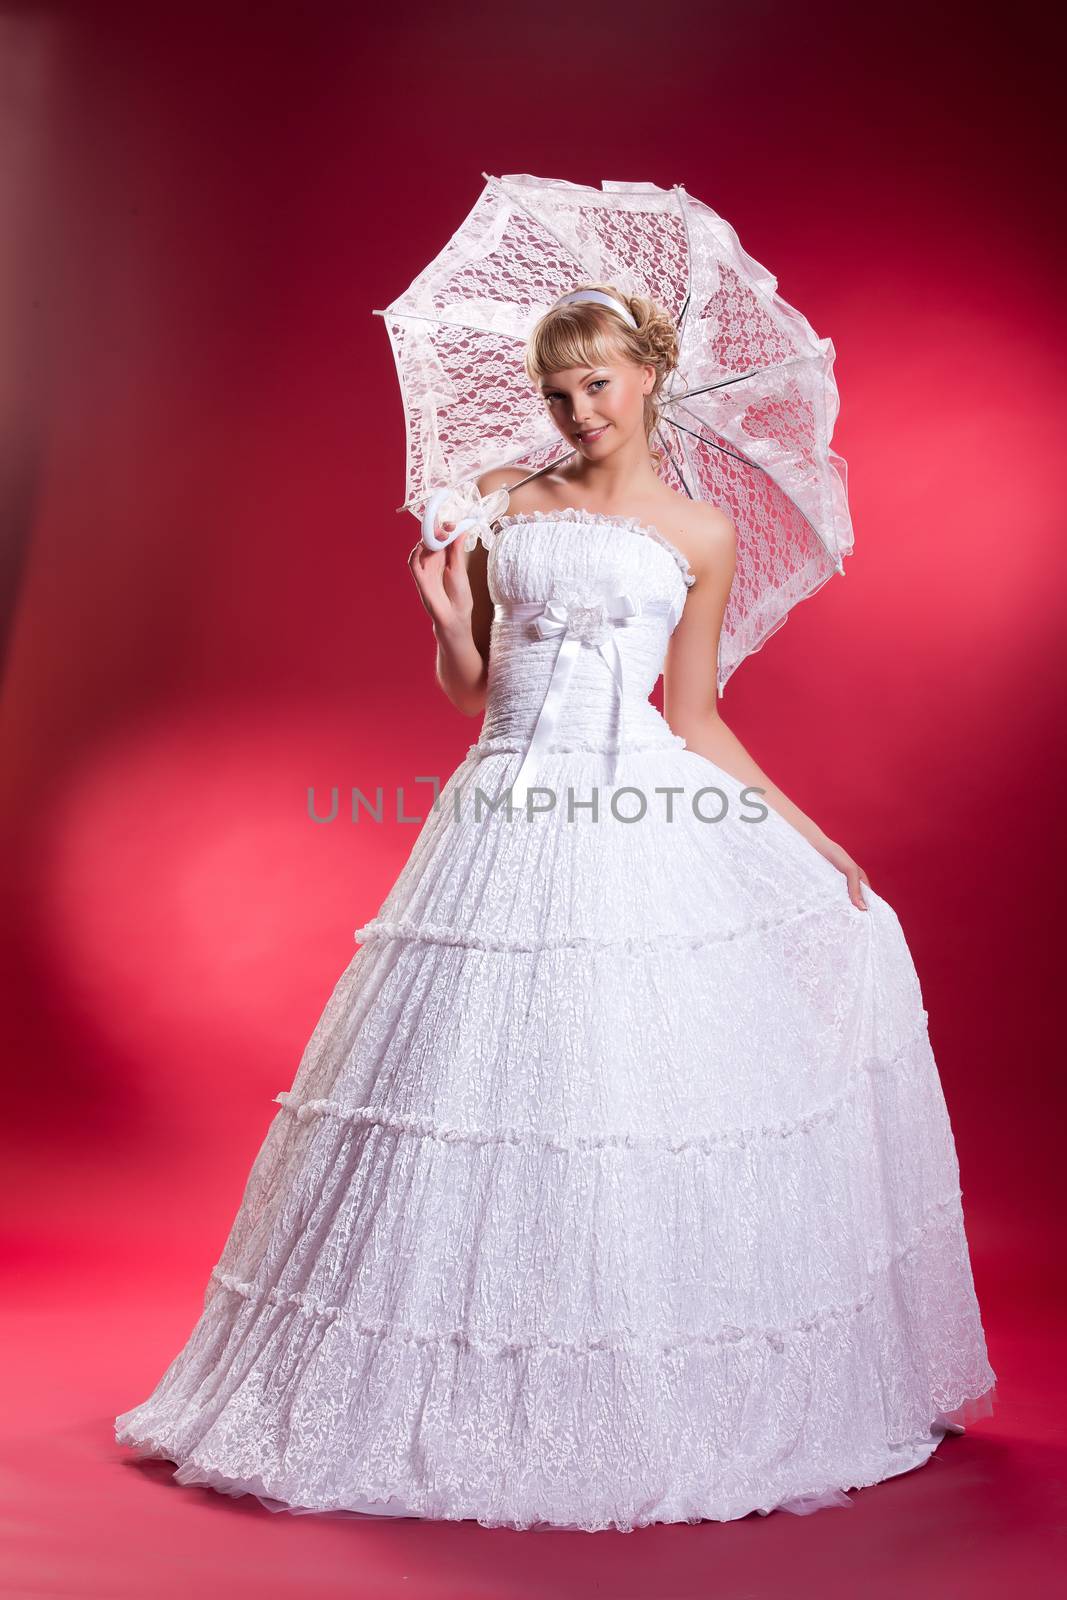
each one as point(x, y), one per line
point(854, 890)
point(455, 577)
point(423, 559)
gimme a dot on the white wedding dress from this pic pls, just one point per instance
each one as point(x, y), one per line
point(616, 1184)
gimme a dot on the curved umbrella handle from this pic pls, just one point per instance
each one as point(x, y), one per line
point(429, 523)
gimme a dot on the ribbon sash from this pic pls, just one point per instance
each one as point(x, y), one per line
point(578, 624)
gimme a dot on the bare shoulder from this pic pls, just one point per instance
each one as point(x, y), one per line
point(706, 537)
point(502, 478)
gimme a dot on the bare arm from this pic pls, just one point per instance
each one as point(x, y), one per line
point(454, 590)
point(445, 589)
point(690, 697)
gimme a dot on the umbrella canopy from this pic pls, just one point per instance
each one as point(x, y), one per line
point(746, 417)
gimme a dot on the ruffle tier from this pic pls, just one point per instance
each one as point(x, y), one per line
point(584, 1219)
point(311, 1411)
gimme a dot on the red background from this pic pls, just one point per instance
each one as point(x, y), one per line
point(207, 610)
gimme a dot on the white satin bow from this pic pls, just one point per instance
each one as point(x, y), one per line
point(578, 623)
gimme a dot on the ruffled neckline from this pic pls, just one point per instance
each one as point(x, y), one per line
point(601, 518)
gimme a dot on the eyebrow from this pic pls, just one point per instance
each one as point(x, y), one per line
point(585, 375)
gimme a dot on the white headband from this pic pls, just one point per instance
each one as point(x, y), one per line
point(602, 299)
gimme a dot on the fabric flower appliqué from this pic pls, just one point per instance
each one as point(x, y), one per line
point(588, 622)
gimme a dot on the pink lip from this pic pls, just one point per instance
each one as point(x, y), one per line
point(587, 437)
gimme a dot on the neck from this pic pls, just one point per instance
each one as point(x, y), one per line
point(620, 478)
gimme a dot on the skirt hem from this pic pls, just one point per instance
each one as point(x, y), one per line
point(902, 1458)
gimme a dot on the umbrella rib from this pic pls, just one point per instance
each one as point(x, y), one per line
point(670, 457)
point(707, 388)
point(746, 461)
point(678, 192)
point(555, 462)
point(680, 320)
point(446, 322)
point(514, 200)
point(757, 372)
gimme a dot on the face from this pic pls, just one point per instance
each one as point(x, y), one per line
point(597, 408)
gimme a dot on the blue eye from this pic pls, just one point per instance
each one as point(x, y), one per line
point(596, 384)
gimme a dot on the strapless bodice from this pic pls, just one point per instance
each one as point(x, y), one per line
point(591, 599)
point(602, 591)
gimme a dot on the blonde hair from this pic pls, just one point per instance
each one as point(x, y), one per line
point(589, 334)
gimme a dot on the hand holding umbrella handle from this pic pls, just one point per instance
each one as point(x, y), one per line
point(429, 523)
point(472, 512)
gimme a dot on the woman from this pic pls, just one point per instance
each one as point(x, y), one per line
point(616, 1183)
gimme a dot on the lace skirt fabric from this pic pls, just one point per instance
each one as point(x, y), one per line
point(596, 1201)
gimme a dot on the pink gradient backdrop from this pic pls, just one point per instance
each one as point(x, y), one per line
point(207, 609)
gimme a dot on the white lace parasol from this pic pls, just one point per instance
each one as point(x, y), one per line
point(747, 417)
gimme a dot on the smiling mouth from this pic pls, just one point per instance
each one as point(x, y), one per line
point(594, 433)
